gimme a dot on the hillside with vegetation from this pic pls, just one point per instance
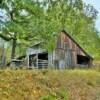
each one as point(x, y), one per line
point(24, 22)
point(49, 85)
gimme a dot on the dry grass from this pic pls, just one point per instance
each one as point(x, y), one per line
point(49, 85)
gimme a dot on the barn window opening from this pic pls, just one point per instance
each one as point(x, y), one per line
point(82, 60)
point(43, 56)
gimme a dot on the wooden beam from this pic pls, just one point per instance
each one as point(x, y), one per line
point(37, 60)
point(28, 61)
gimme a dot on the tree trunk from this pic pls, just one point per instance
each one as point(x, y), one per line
point(13, 48)
point(3, 54)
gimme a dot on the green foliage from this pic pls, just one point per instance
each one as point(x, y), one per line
point(63, 95)
point(75, 17)
point(20, 14)
point(48, 97)
point(31, 21)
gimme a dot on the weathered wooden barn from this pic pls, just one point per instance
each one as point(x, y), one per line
point(67, 54)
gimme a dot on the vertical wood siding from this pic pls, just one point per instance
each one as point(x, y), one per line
point(69, 55)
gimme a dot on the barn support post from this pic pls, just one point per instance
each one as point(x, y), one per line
point(74, 59)
point(90, 63)
point(49, 59)
point(27, 56)
point(3, 54)
point(37, 60)
point(28, 61)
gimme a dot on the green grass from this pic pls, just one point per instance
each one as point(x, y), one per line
point(49, 85)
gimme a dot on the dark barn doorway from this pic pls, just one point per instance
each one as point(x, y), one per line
point(82, 60)
point(42, 60)
point(43, 56)
point(39, 60)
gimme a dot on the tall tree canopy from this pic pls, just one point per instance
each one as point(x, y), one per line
point(27, 21)
point(21, 26)
point(75, 17)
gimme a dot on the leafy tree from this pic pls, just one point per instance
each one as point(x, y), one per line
point(21, 25)
point(42, 20)
point(75, 17)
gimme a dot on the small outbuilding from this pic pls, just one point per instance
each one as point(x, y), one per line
point(67, 54)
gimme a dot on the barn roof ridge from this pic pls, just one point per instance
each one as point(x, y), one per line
point(76, 43)
point(67, 33)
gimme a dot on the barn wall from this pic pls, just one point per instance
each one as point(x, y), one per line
point(64, 55)
point(72, 48)
point(51, 59)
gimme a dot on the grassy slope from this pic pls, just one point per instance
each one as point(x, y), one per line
point(32, 85)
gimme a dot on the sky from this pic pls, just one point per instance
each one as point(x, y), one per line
point(96, 4)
